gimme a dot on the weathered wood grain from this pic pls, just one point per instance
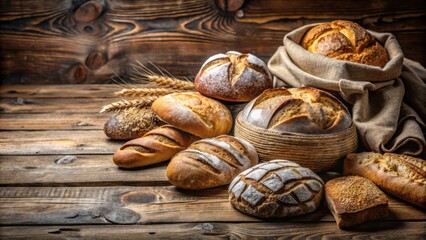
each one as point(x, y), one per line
point(213, 230)
point(142, 205)
point(56, 142)
point(76, 170)
point(88, 41)
point(53, 121)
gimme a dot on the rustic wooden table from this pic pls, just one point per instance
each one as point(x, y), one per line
point(58, 181)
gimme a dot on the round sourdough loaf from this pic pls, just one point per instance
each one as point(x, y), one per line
point(211, 162)
point(278, 188)
point(345, 40)
point(194, 113)
point(305, 125)
point(233, 76)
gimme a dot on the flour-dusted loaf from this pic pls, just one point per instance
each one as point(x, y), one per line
point(194, 113)
point(233, 76)
point(156, 146)
point(278, 188)
point(211, 162)
point(131, 123)
point(297, 110)
point(397, 174)
point(345, 40)
point(353, 200)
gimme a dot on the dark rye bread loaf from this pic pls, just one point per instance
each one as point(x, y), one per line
point(278, 188)
point(353, 200)
point(211, 162)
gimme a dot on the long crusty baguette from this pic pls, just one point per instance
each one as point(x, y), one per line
point(155, 146)
point(400, 175)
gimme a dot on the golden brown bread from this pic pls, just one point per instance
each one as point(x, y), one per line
point(353, 200)
point(278, 188)
point(233, 77)
point(156, 146)
point(211, 162)
point(345, 40)
point(400, 175)
point(131, 123)
point(297, 110)
point(194, 113)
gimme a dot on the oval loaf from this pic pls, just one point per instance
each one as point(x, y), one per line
point(211, 162)
point(194, 113)
point(297, 110)
point(278, 188)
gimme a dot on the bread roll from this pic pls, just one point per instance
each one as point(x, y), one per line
point(297, 110)
point(233, 77)
point(353, 200)
point(156, 146)
point(345, 40)
point(278, 188)
point(194, 113)
point(211, 162)
point(399, 175)
point(131, 123)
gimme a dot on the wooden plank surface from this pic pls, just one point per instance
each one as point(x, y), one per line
point(76, 170)
point(66, 41)
point(141, 205)
point(214, 230)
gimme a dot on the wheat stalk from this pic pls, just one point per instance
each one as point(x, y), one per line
point(143, 92)
point(143, 75)
point(139, 103)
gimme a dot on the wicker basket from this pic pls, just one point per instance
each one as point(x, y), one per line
point(318, 152)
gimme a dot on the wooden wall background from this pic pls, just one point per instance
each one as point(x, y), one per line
point(80, 41)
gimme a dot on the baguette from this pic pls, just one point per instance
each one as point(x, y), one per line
point(155, 146)
point(399, 175)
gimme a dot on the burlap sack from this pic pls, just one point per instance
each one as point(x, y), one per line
point(388, 104)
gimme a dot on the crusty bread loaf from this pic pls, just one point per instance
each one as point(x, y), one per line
point(156, 146)
point(278, 188)
point(345, 40)
point(194, 113)
point(233, 77)
point(353, 200)
point(399, 175)
point(131, 123)
point(297, 110)
point(211, 162)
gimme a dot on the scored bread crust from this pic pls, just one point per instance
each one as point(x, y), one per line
point(400, 175)
point(211, 162)
point(345, 40)
point(353, 200)
point(155, 146)
point(194, 113)
point(297, 110)
point(233, 77)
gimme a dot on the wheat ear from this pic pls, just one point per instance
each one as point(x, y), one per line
point(123, 104)
point(144, 75)
point(143, 92)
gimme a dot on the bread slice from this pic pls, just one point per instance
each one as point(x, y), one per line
point(399, 175)
point(353, 200)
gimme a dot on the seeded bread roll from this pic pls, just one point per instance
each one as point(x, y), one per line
point(353, 200)
point(297, 110)
point(211, 162)
point(233, 76)
point(131, 123)
point(397, 174)
point(156, 146)
point(345, 40)
point(194, 113)
point(278, 188)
